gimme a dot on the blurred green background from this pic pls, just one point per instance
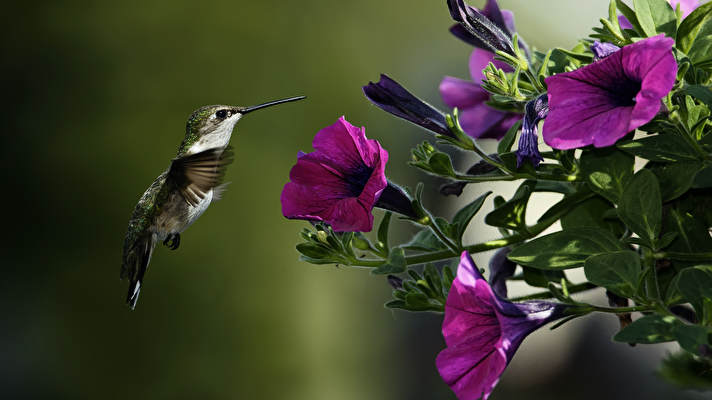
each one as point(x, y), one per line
point(96, 98)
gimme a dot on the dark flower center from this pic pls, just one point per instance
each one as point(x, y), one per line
point(358, 178)
point(626, 92)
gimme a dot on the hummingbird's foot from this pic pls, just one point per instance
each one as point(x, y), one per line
point(172, 241)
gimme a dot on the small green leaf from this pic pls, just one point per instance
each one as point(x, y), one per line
point(703, 179)
point(660, 148)
point(441, 164)
point(541, 278)
point(696, 283)
point(617, 271)
point(656, 16)
point(607, 171)
point(658, 329)
point(505, 145)
point(424, 240)
point(313, 251)
point(701, 93)
point(383, 230)
point(395, 264)
point(464, 216)
point(512, 214)
point(675, 178)
point(694, 31)
point(591, 213)
point(687, 370)
point(641, 206)
point(566, 249)
point(630, 15)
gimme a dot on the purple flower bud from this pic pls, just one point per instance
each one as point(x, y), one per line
point(528, 149)
point(601, 102)
point(394, 199)
point(487, 33)
point(483, 331)
point(391, 97)
point(339, 182)
point(501, 269)
point(395, 282)
point(603, 50)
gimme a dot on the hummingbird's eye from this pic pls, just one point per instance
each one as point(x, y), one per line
point(222, 114)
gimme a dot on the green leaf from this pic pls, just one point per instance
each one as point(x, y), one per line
point(675, 178)
point(630, 16)
point(617, 271)
point(694, 31)
point(464, 216)
point(686, 370)
point(660, 148)
point(441, 164)
point(696, 283)
point(640, 207)
point(703, 179)
point(656, 16)
point(566, 249)
point(658, 329)
point(383, 230)
point(505, 145)
point(607, 171)
point(314, 251)
point(425, 240)
point(541, 278)
point(512, 214)
point(649, 329)
point(701, 93)
point(591, 213)
point(395, 264)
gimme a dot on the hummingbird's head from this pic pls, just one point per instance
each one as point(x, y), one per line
point(211, 126)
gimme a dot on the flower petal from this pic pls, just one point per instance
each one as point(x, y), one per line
point(461, 94)
point(472, 368)
point(479, 59)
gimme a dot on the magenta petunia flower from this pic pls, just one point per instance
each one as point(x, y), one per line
point(601, 102)
point(686, 7)
point(482, 332)
point(340, 181)
point(477, 118)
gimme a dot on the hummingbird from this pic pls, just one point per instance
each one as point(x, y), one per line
point(183, 192)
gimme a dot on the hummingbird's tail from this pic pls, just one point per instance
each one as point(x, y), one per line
point(135, 266)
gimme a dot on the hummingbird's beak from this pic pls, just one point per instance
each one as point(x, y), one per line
point(269, 104)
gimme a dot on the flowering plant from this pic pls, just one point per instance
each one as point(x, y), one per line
point(626, 114)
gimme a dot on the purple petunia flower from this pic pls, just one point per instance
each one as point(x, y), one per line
point(477, 118)
point(340, 181)
point(483, 331)
point(601, 102)
point(686, 7)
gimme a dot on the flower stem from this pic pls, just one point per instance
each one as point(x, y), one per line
point(581, 287)
point(531, 231)
point(517, 176)
point(621, 310)
point(702, 257)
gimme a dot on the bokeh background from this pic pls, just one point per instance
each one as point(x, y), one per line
point(96, 95)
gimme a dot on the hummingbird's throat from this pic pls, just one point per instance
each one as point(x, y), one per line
point(219, 136)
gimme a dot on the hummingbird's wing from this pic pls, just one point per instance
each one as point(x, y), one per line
point(196, 174)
